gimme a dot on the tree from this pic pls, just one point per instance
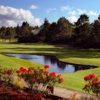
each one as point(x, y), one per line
point(96, 33)
point(43, 34)
point(83, 19)
point(51, 33)
point(63, 31)
point(82, 32)
point(24, 33)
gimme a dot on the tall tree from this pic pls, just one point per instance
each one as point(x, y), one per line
point(96, 33)
point(43, 34)
point(83, 31)
point(63, 30)
point(51, 33)
point(24, 33)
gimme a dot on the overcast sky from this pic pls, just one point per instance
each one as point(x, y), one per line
point(14, 12)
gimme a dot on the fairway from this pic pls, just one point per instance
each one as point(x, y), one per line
point(72, 81)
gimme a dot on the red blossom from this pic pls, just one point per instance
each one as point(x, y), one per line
point(89, 77)
point(30, 69)
point(23, 70)
point(26, 71)
point(53, 74)
point(46, 72)
point(86, 78)
point(32, 79)
point(61, 80)
point(94, 82)
point(47, 66)
point(18, 71)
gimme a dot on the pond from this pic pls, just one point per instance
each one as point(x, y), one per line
point(53, 62)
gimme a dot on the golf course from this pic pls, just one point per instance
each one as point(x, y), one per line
point(72, 81)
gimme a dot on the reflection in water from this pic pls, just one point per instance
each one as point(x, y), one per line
point(55, 64)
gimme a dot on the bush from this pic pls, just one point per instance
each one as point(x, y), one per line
point(92, 84)
point(39, 81)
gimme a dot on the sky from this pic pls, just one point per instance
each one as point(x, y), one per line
point(14, 12)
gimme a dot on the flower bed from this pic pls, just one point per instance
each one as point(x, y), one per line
point(30, 83)
point(8, 93)
point(92, 84)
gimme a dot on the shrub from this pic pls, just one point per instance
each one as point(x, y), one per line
point(35, 80)
point(92, 84)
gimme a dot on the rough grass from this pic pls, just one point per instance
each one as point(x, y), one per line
point(79, 56)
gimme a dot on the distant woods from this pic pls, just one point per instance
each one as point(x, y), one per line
point(80, 34)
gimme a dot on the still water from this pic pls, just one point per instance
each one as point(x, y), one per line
point(53, 62)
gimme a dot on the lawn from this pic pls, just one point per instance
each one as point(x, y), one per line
point(64, 53)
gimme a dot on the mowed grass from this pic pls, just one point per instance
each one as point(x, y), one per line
point(72, 81)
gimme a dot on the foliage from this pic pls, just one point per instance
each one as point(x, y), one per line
point(93, 84)
point(6, 76)
point(36, 80)
point(39, 76)
point(58, 32)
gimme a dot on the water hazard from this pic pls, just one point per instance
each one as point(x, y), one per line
point(53, 62)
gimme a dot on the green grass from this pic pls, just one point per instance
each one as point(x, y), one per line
point(15, 63)
point(79, 56)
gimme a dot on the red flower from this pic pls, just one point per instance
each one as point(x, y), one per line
point(86, 78)
point(94, 82)
point(32, 79)
point(46, 66)
point(90, 76)
point(18, 71)
point(30, 69)
point(61, 80)
point(53, 74)
point(23, 70)
point(46, 72)
point(26, 71)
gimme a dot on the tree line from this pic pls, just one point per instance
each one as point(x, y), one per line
point(80, 34)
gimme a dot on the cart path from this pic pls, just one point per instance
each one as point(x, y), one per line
point(67, 94)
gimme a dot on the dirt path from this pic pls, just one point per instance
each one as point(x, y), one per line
point(67, 94)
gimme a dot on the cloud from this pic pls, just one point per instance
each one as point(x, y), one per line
point(50, 10)
point(93, 13)
point(10, 16)
point(34, 7)
point(81, 11)
point(74, 13)
point(72, 18)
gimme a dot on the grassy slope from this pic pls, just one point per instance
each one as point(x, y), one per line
point(72, 80)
